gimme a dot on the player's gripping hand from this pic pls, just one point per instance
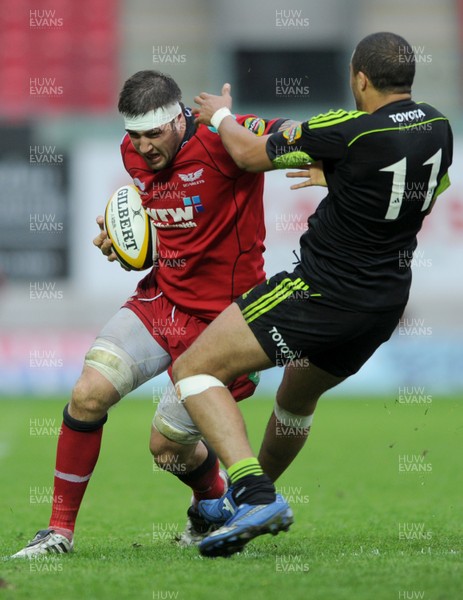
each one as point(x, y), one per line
point(103, 242)
point(313, 176)
point(209, 104)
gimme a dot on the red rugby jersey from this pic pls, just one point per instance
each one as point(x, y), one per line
point(209, 219)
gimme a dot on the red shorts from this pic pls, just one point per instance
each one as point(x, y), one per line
point(175, 330)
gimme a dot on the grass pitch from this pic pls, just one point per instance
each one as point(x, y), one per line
point(377, 496)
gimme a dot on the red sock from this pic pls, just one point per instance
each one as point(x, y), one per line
point(76, 457)
point(209, 485)
point(205, 480)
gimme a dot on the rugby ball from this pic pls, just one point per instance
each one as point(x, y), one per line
point(129, 229)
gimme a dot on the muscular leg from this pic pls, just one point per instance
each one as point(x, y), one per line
point(225, 350)
point(174, 457)
point(92, 396)
point(79, 445)
point(298, 394)
point(177, 447)
point(124, 356)
point(121, 358)
point(195, 465)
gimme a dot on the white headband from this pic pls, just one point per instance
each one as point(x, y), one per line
point(153, 119)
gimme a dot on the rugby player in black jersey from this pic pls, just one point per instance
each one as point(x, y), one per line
point(384, 165)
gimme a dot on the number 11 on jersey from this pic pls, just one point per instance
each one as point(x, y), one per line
point(399, 170)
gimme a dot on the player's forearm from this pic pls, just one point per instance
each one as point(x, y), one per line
point(247, 150)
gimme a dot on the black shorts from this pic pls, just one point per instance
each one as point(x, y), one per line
point(293, 325)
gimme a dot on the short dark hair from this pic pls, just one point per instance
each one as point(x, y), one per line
point(387, 60)
point(147, 90)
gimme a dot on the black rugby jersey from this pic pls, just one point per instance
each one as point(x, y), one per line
point(383, 172)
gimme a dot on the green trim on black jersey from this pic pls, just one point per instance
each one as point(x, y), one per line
point(399, 128)
point(291, 160)
point(427, 104)
point(443, 185)
point(334, 118)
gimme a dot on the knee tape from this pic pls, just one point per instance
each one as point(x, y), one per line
point(114, 364)
point(173, 432)
point(189, 386)
point(289, 419)
point(82, 426)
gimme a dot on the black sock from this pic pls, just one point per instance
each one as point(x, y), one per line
point(254, 489)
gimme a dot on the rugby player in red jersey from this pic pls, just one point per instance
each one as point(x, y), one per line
point(210, 230)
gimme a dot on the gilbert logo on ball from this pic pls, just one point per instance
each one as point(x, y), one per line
point(129, 229)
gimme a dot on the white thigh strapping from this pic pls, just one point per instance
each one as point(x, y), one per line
point(126, 353)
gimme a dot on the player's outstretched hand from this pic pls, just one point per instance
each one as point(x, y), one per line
point(313, 176)
point(209, 104)
point(103, 242)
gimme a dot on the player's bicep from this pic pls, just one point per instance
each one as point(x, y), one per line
point(254, 156)
point(247, 149)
